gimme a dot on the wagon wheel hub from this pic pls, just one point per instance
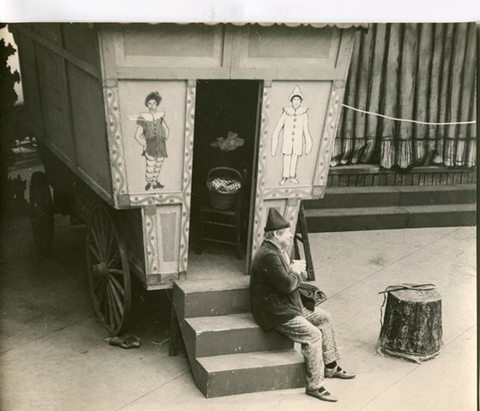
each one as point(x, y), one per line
point(100, 269)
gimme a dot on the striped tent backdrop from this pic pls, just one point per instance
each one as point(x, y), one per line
point(421, 72)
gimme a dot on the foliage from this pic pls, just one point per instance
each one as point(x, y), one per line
point(8, 95)
point(8, 98)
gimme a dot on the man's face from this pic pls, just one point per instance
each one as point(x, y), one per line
point(284, 237)
point(152, 105)
point(296, 101)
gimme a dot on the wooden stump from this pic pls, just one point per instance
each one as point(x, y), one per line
point(412, 326)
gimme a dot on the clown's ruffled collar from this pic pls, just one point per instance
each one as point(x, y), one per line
point(290, 111)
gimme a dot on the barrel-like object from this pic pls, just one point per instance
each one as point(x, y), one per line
point(412, 325)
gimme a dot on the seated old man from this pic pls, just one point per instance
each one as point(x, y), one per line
point(276, 304)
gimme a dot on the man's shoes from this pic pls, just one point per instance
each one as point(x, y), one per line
point(322, 394)
point(293, 180)
point(337, 372)
point(283, 181)
point(147, 187)
point(156, 184)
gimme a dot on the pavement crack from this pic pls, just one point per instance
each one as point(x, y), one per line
point(46, 335)
point(154, 389)
point(278, 403)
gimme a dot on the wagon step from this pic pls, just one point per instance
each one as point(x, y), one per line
point(232, 334)
point(228, 352)
point(212, 297)
point(250, 372)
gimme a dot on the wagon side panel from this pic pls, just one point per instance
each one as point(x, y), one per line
point(283, 52)
point(88, 122)
point(63, 93)
point(296, 143)
point(154, 177)
point(55, 104)
point(80, 41)
point(165, 200)
point(165, 209)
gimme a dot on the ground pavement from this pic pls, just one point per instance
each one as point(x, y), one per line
point(53, 356)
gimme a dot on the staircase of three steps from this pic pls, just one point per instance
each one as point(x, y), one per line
point(228, 352)
point(389, 207)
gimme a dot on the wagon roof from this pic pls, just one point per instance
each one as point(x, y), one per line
point(266, 24)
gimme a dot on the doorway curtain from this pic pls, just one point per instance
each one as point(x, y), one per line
point(423, 72)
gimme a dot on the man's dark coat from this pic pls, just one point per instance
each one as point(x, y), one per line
point(273, 288)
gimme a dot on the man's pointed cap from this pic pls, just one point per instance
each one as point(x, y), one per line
point(275, 221)
point(296, 92)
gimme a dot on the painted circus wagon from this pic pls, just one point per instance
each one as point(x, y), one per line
point(131, 119)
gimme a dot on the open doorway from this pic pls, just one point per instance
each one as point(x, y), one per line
point(225, 150)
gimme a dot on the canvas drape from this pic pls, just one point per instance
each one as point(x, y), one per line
point(418, 71)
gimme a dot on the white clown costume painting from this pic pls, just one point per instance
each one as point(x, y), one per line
point(296, 136)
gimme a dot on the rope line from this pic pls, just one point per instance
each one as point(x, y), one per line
point(408, 120)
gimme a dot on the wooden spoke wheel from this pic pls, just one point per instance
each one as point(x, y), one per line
point(108, 270)
point(41, 212)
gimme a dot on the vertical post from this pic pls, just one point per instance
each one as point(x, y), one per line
point(306, 243)
point(255, 228)
point(174, 333)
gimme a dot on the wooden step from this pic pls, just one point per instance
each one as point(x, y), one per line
point(437, 195)
point(450, 215)
point(227, 351)
point(389, 196)
point(345, 197)
point(250, 372)
point(205, 298)
point(351, 219)
point(231, 334)
point(377, 218)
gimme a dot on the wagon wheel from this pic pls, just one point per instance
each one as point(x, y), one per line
point(108, 270)
point(41, 212)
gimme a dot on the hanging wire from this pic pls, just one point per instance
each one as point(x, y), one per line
point(408, 120)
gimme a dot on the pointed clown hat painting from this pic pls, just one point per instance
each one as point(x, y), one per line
point(296, 93)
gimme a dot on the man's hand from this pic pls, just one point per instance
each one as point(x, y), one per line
point(299, 267)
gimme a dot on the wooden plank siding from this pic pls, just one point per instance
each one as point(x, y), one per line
point(419, 176)
point(66, 104)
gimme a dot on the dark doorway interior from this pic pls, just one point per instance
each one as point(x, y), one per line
point(222, 106)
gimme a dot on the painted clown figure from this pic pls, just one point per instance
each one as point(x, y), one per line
point(152, 133)
point(294, 122)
